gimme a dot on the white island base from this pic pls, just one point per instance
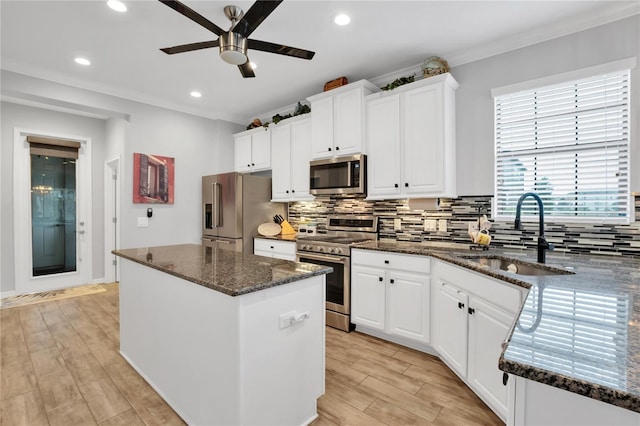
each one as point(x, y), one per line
point(222, 360)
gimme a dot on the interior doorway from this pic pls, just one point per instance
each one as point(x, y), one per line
point(52, 210)
point(112, 218)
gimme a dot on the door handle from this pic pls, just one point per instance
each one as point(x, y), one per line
point(81, 232)
point(460, 305)
point(217, 219)
point(392, 281)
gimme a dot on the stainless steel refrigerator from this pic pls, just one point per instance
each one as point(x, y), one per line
point(233, 206)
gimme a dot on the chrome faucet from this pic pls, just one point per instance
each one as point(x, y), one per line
point(543, 245)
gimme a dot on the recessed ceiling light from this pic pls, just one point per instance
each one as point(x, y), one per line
point(196, 94)
point(253, 65)
point(342, 19)
point(82, 61)
point(117, 5)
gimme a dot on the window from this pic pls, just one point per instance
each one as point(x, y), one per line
point(569, 143)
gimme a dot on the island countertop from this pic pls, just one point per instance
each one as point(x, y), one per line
point(577, 332)
point(225, 271)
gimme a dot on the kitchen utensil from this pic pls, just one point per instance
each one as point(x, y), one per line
point(269, 229)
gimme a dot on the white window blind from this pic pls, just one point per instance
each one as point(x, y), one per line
point(569, 143)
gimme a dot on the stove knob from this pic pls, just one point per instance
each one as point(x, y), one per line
point(329, 250)
point(338, 250)
point(319, 249)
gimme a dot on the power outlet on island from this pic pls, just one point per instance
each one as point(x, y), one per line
point(287, 319)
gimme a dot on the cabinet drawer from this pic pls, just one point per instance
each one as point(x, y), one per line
point(504, 295)
point(381, 259)
point(273, 246)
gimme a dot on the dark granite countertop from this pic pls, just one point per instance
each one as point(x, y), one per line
point(225, 271)
point(578, 332)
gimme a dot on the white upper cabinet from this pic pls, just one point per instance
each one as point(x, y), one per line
point(253, 150)
point(291, 153)
point(337, 120)
point(410, 134)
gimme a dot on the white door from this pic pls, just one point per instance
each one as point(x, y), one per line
point(242, 151)
point(261, 150)
point(383, 138)
point(301, 155)
point(322, 128)
point(348, 124)
point(423, 140)
point(452, 325)
point(368, 296)
point(281, 163)
point(488, 328)
point(112, 193)
point(52, 213)
point(409, 305)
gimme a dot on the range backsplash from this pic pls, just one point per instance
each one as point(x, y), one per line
point(570, 238)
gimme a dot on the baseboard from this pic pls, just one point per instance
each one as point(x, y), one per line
point(98, 281)
point(4, 294)
point(422, 347)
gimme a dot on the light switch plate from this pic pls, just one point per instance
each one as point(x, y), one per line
point(143, 222)
point(442, 225)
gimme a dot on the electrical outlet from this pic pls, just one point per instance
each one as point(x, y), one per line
point(397, 224)
point(442, 225)
point(430, 225)
point(143, 222)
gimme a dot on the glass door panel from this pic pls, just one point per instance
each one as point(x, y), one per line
point(53, 214)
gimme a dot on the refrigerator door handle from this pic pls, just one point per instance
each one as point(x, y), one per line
point(217, 216)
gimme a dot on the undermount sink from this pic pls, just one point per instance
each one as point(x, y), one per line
point(515, 266)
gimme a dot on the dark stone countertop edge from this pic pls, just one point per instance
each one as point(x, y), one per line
point(225, 290)
point(626, 400)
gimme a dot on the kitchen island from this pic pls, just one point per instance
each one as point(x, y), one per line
point(225, 338)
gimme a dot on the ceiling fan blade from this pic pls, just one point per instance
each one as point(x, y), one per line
point(193, 15)
point(280, 49)
point(189, 47)
point(254, 16)
point(246, 69)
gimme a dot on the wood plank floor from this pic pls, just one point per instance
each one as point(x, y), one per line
point(59, 365)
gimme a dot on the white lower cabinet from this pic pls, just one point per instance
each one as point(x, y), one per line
point(390, 294)
point(473, 317)
point(274, 248)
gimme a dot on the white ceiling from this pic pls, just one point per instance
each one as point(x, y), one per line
point(41, 38)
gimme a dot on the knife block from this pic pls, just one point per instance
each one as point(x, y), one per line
point(286, 228)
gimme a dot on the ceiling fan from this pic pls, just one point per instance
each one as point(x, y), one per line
point(234, 43)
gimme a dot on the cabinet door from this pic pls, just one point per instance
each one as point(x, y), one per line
point(281, 162)
point(322, 128)
point(383, 139)
point(300, 157)
point(488, 328)
point(452, 326)
point(408, 303)
point(368, 296)
point(423, 140)
point(242, 153)
point(261, 150)
point(347, 128)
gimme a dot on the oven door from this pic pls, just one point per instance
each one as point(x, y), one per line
point(338, 282)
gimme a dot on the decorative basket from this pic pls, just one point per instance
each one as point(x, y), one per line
point(434, 65)
point(340, 81)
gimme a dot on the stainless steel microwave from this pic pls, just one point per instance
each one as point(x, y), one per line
point(339, 176)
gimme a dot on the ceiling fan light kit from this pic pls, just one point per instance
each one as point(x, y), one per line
point(233, 44)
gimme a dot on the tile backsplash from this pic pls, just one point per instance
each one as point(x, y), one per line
point(613, 240)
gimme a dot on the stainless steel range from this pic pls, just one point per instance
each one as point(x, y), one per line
point(334, 249)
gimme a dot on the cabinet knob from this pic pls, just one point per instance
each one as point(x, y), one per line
point(253, 164)
point(379, 278)
point(271, 246)
point(337, 148)
point(386, 262)
point(460, 305)
point(287, 191)
point(395, 185)
point(329, 148)
point(406, 184)
point(392, 281)
point(471, 310)
point(293, 191)
point(505, 378)
point(248, 165)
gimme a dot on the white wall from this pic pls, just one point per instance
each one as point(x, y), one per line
point(474, 104)
point(199, 145)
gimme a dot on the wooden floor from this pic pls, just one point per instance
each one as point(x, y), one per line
point(59, 365)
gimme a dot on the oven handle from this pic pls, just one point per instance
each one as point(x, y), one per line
point(328, 258)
